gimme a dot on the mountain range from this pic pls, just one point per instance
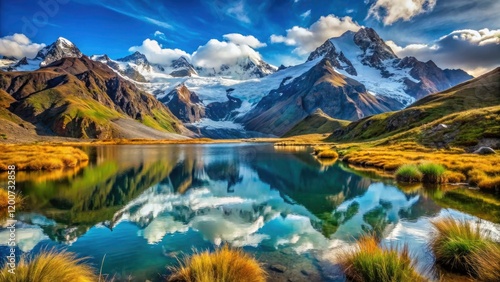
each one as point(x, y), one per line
point(63, 92)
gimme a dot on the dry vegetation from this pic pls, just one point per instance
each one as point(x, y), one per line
point(4, 198)
point(480, 170)
point(50, 266)
point(40, 157)
point(223, 265)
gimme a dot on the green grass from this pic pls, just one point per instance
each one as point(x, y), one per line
point(223, 265)
point(318, 122)
point(50, 266)
point(369, 263)
point(461, 246)
point(409, 173)
point(432, 173)
point(470, 110)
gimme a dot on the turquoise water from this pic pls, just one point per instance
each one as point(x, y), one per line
point(141, 207)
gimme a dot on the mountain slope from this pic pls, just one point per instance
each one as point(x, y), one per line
point(462, 115)
point(78, 97)
point(319, 88)
point(364, 56)
point(317, 122)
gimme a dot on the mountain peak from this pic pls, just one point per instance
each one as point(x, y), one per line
point(370, 42)
point(61, 48)
point(62, 40)
point(137, 57)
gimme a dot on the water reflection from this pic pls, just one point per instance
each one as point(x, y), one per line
point(143, 205)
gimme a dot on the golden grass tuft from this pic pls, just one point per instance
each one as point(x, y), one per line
point(223, 265)
point(50, 266)
point(369, 262)
point(4, 198)
point(454, 177)
point(328, 154)
point(41, 157)
point(461, 246)
point(480, 170)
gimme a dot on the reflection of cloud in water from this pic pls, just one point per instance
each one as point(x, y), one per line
point(27, 236)
point(161, 226)
point(251, 215)
point(391, 199)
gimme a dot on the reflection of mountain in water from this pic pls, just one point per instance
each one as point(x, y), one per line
point(239, 194)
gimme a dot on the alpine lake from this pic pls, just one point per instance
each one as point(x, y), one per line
point(135, 210)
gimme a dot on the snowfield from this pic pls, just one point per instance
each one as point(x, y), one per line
point(375, 83)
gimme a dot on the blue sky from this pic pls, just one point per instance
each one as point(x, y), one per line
point(427, 29)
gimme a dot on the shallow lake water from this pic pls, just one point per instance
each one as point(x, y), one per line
point(140, 207)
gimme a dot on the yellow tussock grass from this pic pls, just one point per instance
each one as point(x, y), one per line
point(41, 157)
point(50, 266)
point(223, 265)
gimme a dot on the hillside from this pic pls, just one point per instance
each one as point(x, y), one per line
point(283, 108)
point(81, 98)
point(317, 122)
point(465, 115)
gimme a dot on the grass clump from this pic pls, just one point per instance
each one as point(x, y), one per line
point(369, 262)
point(50, 266)
point(432, 173)
point(41, 157)
point(409, 173)
point(453, 177)
point(223, 265)
point(323, 152)
point(461, 247)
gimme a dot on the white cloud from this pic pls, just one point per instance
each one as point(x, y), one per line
point(308, 39)
point(160, 35)
point(215, 53)
point(474, 51)
point(157, 54)
point(305, 14)
point(238, 12)
point(239, 39)
point(391, 11)
point(19, 46)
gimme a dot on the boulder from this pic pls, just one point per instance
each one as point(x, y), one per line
point(485, 151)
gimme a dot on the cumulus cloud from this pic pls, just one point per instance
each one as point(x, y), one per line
point(474, 51)
point(391, 11)
point(19, 46)
point(308, 39)
point(240, 39)
point(157, 54)
point(215, 53)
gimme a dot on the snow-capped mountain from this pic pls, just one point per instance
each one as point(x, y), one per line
point(61, 48)
point(181, 67)
point(242, 69)
point(358, 74)
point(365, 57)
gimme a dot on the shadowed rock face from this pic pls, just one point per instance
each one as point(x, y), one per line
point(182, 68)
point(185, 104)
point(320, 88)
point(221, 110)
